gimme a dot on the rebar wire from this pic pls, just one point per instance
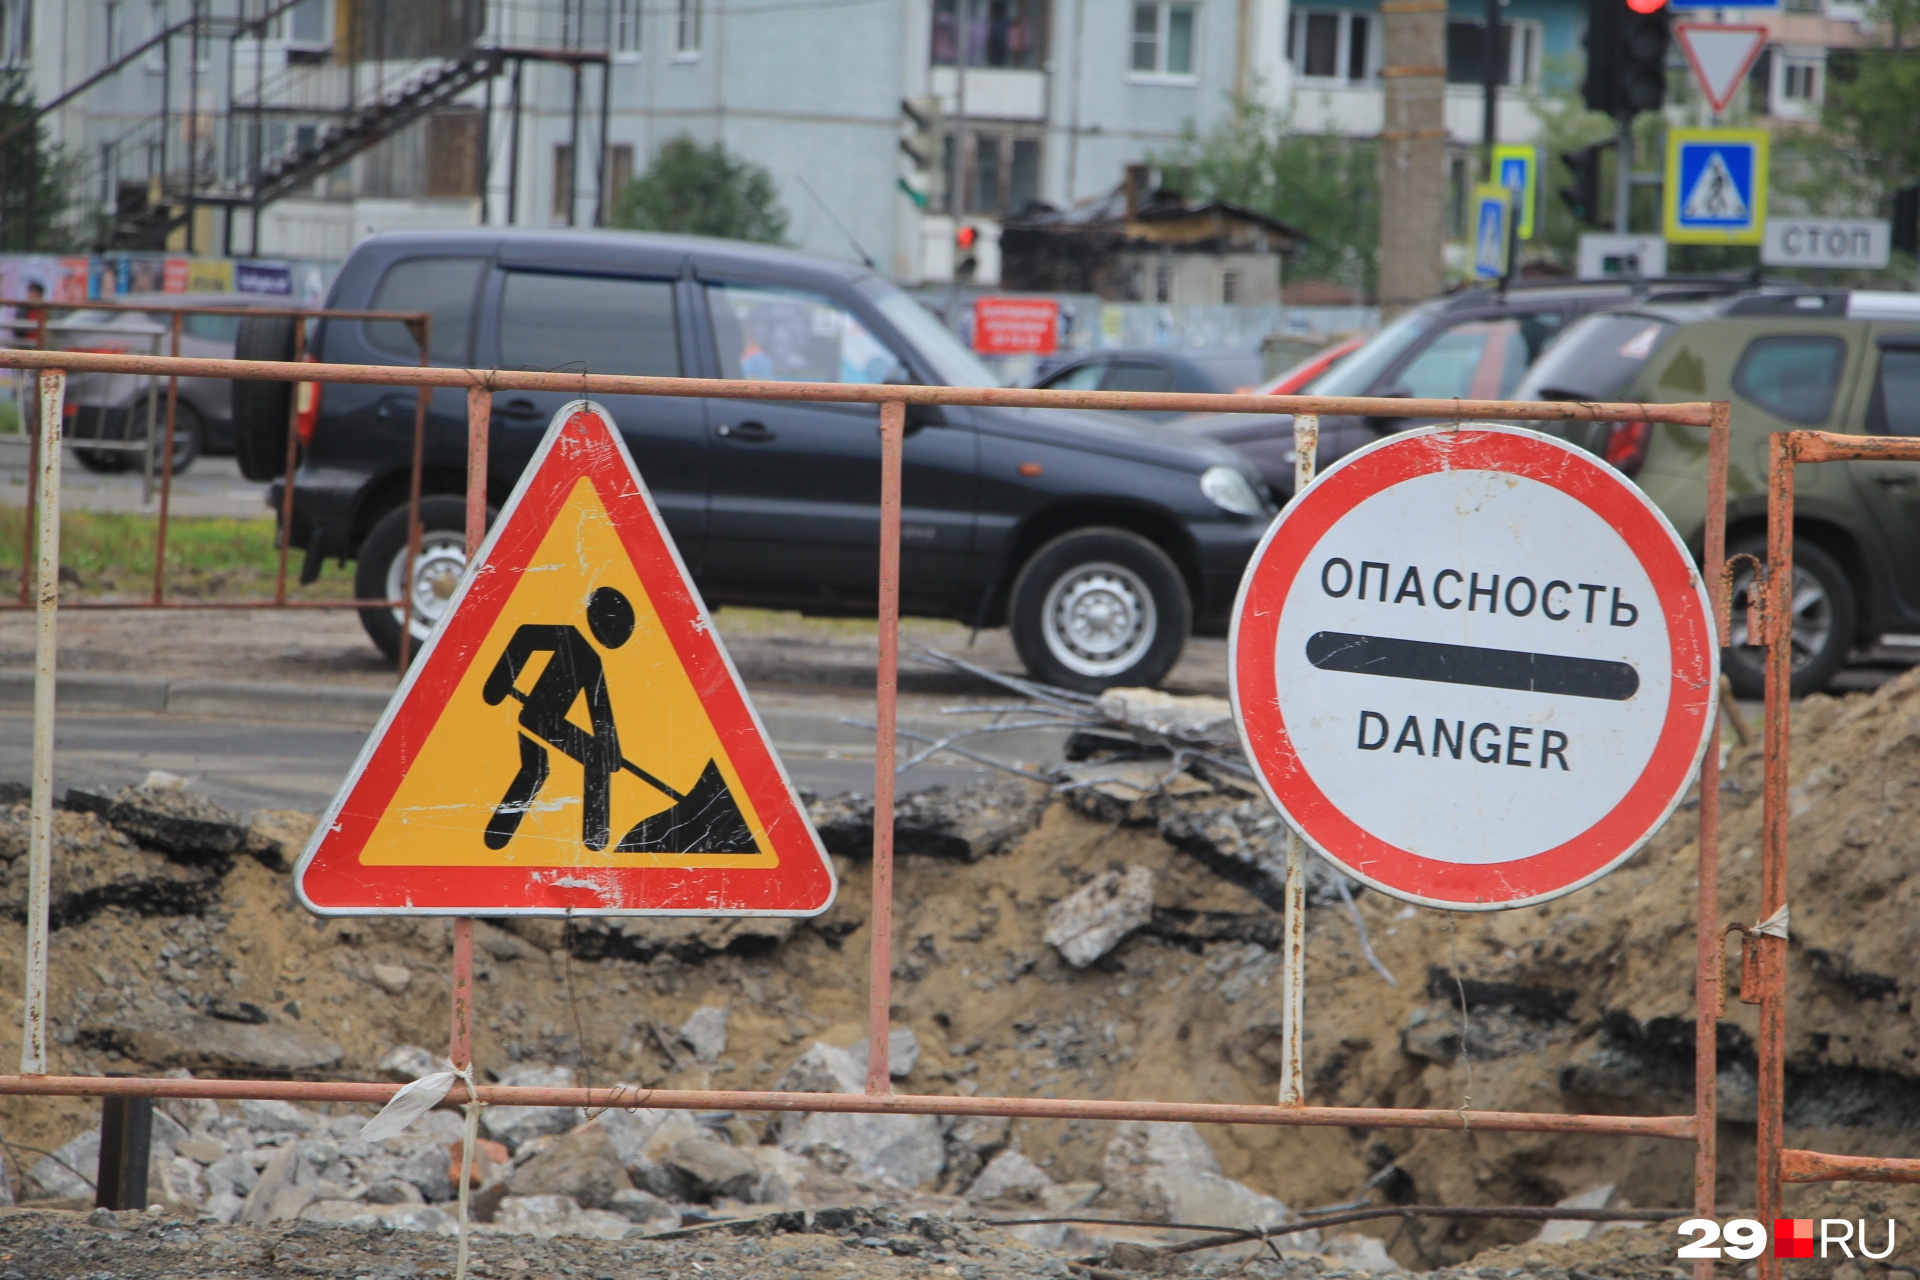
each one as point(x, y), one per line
point(1240, 1235)
point(1360, 926)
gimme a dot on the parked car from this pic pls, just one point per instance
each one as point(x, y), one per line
point(115, 406)
point(1475, 344)
point(1295, 381)
point(1805, 359)
point(1203, 369)
point(1101, 541)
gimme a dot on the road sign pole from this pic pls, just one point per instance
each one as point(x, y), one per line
point(1293, 957)
point(1623, 175)
point(479, 422)
point(893, 431)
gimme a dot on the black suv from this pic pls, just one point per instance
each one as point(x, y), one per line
point(1471, 345)
point(1101, 541)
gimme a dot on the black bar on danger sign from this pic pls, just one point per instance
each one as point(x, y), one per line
point(1472, 665)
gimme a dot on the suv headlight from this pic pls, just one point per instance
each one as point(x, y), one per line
point(1228, 490)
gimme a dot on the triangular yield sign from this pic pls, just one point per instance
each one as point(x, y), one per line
point(1720, 55)
point(572, 738)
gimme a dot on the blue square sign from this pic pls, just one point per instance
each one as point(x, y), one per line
point(1716, 186)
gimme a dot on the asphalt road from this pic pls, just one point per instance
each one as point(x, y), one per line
point(246, 766)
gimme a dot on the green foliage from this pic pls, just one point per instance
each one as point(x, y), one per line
point(34, 172)
point(1874, 111)
point(1566, 125)
point(1326, 186)
point(703, 191)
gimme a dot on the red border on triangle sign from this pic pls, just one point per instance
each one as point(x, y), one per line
point(785, 873)
point(1683, 31)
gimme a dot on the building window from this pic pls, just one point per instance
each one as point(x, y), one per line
point(1003, 172)
point(625, 19)
point(1330, 46)
point(1163, 36)
point(1800, 81)
point(619, 174)
point(1000, 33)
point(686, 28)
point(1229, 287)
point(1519, 53)
point(111, 24)
point(156, 23)
point(563, 184)
point(1162, 281)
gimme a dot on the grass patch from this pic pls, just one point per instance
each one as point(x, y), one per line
point(109, 555)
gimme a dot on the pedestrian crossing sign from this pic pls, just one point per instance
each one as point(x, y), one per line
point(1716, 186)
point(572, 738)
point(1492, 215)
point(1517, 168)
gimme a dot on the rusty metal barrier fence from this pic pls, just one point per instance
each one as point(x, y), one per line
point(1768, 610)
point(33, 319)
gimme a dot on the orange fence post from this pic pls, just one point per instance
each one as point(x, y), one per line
point(893, 433)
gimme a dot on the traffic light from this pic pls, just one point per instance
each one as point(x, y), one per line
point(966, 262)
point(923, 148)
point(1583, 197)
point(1626, 58)
point(1906, 219)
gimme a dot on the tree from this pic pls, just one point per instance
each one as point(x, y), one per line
point(33, 175)
point(1321, 183)
point(1873, 109)
point(703, 191)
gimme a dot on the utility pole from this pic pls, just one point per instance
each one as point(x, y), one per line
point(1491, 74)
point(1623, 171)
point(1413, 153)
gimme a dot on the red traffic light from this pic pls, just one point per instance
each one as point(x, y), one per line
point(965, 236)
point(1646, 6)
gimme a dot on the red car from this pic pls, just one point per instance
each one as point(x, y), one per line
point(1294, 381)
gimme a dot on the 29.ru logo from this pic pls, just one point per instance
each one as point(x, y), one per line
point(1792, 1238)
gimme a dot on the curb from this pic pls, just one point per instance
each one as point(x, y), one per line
point(230, 699)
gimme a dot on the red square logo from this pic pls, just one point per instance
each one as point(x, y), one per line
point(1793, 1237)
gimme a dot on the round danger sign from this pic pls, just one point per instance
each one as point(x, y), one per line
point(1474, 666)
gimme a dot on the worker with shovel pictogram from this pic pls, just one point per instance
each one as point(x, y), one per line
point(705, 819)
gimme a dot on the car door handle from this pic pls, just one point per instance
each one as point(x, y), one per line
point(520, 409)
point(748, 432)
point(1897, 481)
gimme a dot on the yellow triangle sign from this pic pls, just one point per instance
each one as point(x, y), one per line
point(572, 738)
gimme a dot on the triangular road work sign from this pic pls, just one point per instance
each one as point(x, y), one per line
point(1720, 55)
point(572, 738)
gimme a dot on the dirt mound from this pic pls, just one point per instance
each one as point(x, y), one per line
point(1582, 1004)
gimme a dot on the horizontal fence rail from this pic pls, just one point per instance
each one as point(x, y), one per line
point(1684, 414)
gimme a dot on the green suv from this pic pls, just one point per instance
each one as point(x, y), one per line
point(1830, 360)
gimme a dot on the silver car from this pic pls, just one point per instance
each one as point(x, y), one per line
point(119, 407)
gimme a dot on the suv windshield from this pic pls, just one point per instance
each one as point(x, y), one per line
point(1594, 359)
point(952, 363)
point(1355, 373)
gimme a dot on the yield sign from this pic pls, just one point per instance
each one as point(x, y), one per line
point(1720, 56)
point(572, 738)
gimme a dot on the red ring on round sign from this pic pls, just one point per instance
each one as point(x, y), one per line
point(1400, 872)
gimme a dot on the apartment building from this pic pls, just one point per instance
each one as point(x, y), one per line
point(297, 126)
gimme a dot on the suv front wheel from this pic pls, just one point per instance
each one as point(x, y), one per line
point(381, 573)
point(1823, 621)
point(1099, 608)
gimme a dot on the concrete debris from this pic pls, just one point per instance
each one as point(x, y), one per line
point(1191, 720)
point(711, 1170)
point(1166, 1171)
point(169, 1037)
point(391, 978)
point(1562, 1229)
point(548, 1216)
point(1356, 1252)
point(408, 1062)
point(905, 1152)
point(582, 1165)
point(964, 824)
point(517, 1125)
point(971, 1143)
point(182, 824)
point(705, 1032)
point(1092, 922)
point(96, 867)
point(903, 1054)
point(643, 1209)
point(688, 939)
point(1011, 1176)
